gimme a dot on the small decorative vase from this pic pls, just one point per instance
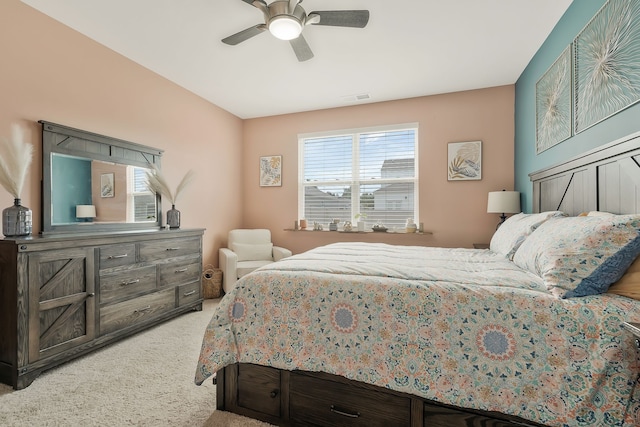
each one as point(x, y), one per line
point(16, 220)
point(173, 217)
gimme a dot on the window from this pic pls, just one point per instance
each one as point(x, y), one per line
point(142, 201)
point(371, 172)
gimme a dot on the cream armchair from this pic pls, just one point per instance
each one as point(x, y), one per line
point(247, 250)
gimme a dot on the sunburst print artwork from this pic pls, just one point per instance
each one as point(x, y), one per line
point(271, 171)
point(465, 161)
point(553, 104)
point(607, 69)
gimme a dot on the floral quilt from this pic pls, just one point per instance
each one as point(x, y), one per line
point(459, 326)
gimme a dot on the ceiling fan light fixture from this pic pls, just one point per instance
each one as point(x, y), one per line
point(285, 27)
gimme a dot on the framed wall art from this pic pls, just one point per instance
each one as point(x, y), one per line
point(464, 161)
point(107, 187)
point(607, 63)
point(271, 171)
point(553, 103)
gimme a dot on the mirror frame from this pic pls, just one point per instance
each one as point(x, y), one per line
point(78, 143)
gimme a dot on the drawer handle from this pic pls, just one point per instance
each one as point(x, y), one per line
point(130, 282)
point(344, 413)
point(173, 249)
point(142, 310)
point(117, 256)
point(181, 270)
point(186, 294)
point(273, 394)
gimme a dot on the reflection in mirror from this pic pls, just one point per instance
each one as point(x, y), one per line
point(117, 192)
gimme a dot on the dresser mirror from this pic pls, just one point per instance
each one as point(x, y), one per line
point(95, 183)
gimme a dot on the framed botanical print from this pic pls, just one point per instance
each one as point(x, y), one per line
point(271, 171)
point(464, 161)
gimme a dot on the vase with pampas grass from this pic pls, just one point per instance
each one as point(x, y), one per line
point(158, 184)
point(15, 159)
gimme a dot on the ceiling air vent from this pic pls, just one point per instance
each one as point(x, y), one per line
point(356, 98)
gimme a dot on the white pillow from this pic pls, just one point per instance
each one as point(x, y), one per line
point(582, 255)
point(253, 252)
point(510, 235)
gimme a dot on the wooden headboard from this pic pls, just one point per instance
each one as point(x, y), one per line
point(604, 179)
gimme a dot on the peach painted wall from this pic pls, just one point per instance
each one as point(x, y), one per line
point(454, 211)
point(50, 72)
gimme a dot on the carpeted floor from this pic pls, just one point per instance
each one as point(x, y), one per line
point(143, 380)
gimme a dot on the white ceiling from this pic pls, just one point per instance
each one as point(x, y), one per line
point(409, 48)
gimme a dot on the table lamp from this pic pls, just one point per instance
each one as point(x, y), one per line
point(503, 202)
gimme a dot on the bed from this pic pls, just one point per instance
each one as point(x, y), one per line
point(529, 332)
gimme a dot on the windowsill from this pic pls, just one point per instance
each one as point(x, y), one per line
point(418, 233)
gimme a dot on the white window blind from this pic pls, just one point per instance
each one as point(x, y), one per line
point(372, 172)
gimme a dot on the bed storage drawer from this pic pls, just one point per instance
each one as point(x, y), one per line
point(121, 315)
point(327, 403)
point(259, 389)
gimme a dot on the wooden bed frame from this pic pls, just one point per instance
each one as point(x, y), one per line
point(605, 179)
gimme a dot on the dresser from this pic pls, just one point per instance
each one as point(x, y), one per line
point(62, 296)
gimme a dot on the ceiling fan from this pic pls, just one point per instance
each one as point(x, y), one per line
point(285, 19)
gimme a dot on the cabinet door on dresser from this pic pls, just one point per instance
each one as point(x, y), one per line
point(61, 300)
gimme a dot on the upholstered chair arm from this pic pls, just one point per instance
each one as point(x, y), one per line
point(279, 253)
point(228, 264)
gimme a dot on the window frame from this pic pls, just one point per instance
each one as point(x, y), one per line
point(355, 182)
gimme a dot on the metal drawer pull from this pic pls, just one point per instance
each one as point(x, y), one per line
point(182, 270)
point(173, 249)
point(140, 310)
point(117, 256)
point(186, 294)
point(273, 394)
point(346, 414)
point(130, 282)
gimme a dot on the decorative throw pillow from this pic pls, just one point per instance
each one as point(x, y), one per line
point(629, 284)
point(253, 252)
point(510, 235)
point(579, 256)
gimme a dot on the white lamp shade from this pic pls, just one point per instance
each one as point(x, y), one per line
point(85, 211)
point(503, 202)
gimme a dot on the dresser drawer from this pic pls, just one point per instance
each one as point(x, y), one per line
point(259, 389)
point(117, 255)
point(169, 248)
point(188, 293)
point(180, 272)
point(327, 403)
point(122, 283)
point(123, 314)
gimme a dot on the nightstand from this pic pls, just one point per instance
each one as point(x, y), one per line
point(634, 328)
point(481, 246)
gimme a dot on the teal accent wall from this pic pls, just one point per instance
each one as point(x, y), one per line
point(527, 161)
point(75, 175)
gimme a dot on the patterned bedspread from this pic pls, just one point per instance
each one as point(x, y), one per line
point(460, 326)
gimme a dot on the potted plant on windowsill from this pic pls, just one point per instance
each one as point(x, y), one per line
point(360, 217)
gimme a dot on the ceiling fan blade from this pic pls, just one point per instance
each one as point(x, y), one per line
point(244, 35)
point(340, 18)
point(301, 48)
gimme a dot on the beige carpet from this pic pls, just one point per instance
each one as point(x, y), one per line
point(143, 380)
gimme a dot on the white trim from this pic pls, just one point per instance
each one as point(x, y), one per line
point(385, 128)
